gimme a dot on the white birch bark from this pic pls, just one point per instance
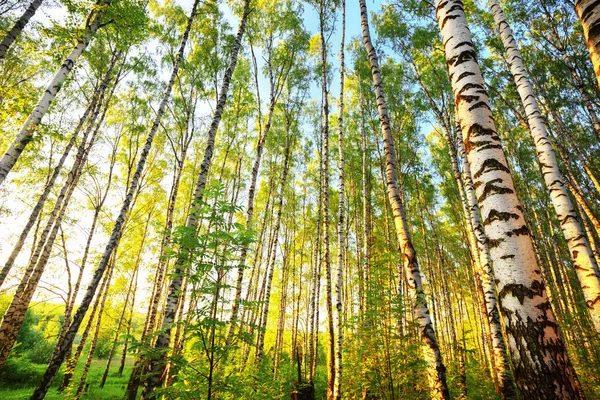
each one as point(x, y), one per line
point(158, 365)
point(337, 383)
point(431, 351)
point(541, 365)
point(11, 36)
point(579, 248)
point(25, 135)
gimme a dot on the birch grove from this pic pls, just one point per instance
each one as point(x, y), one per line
point(304, 199)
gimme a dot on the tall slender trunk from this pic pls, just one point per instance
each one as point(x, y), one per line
point(260, 144)
point(431, 351)
point(541, 364)
point(364, 276)
point(158, 364)
point(37, 209)
point(583, 260)
point(11, 35)
point(287, 264)
point(97, 208)
point(337, 384)
point(88, 361)
point(325, 189)
point(588, 12)
point(134, 279)
point(46, 381)
point(25, 135)
point(15, 314)
point(273, 253)
point(72, 362)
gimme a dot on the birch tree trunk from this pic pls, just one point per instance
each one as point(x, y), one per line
point(72, 362)
point(15, 314)
point(158, 365)
point(274, 93)
point(431, 351)
point(579, 249)
point(25, 135)
point(541, 364)
point(505, 383)
point(11, 36)
point(88, 361)
point(325, 189)
point(55, 363)
point(260, 341)
point(37, 209)
point(588, 12)
point(337, 383)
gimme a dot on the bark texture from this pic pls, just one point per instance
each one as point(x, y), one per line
point(588, 12)
point(431, 350)
point(579, 249)
point(337, 383)
point(541, 365)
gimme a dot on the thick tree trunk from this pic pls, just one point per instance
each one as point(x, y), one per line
point(431, 351)
point(11, 36)
point(337, 383)
point(505, 383)
point(25, 135)
point(579, 248)
point(542, 366)
point(588, 12)
point(158, 365)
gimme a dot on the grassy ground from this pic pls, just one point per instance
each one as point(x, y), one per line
point(113, 389)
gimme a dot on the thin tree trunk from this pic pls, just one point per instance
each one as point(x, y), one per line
point(273, 253)
point(583, 260)
point(46, 381)
point(431, 351)
point(37, 209)
point(157, 364)
point(72, 362)
point(542, 366)
point(337, 384)
point(328, 283)
point(88, 362)
point(11, 36)
point(129, 293)
point(25, 135)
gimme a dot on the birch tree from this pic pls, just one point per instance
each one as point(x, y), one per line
point(431, 350)
point(541, 365)
point(25, 135)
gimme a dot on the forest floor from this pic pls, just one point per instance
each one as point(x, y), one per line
point(113, 389)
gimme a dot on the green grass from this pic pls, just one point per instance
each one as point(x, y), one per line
point(113, 389)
